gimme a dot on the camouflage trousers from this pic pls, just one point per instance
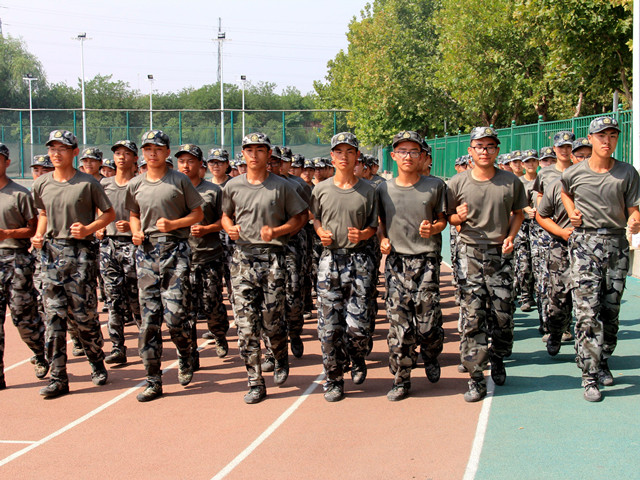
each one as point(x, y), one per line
point(453, 243)
point(599, 266)
point(558, 289)
point(70, 270)
point(540, 239)
point(314, 248)
point(373, 248)
point(17, 292)
point(344, 326)
point(163, 286)
point(118, 269)
point(227, 253)
point(37, 283)
point(486, 302)
point(258, 277)
point(295, 258)
point(205, 281)
point(413, 310)
point(523, 281)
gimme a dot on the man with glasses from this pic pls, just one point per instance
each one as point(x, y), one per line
point(412, 215)
point(581, 150)
point(487, 203)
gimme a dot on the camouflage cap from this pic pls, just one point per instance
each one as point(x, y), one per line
point(141, 162)
point(547, 152)
point(318, 162)
point(256, 138)
point(240, 160)
point(109, 163)
point(601, 124)
point(192, 149)
point(563, 138)
point(407, 136)
point(4, 150)
point(461, 161)
point(93, 153)
point(373, 160)
point(41, 161)
point(287, 154)
point(233, 164)
point(529, 154)
point(156, 137)
point(128, 144)
point(309, 163)
point(484, 132)
point(579, 143)
point(426, 147)
point(218, 154)
point(276, 152)
point(516, 155)
point(507, 158)
point(344, 137)
point(65, 137)
point(169, 161)
point(298, 161)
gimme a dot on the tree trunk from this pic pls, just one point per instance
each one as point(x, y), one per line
point(579, 105)
point(625, 82)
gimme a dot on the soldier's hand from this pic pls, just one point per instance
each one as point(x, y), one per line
point(385, 246)
point(100, 233)
point(164, 225)
point(197, 231)
point(266, 233)
point(78, 231)
point(462, 210)
point(566, 233)
point(531, 212)
point(234, 232)
point(3, 234)
point(123, 226)
point(576, 218)
point(37, 241)
point(326, 237)
point(507, 245)
point(426, 229)
point(634, 225)
point(354, 234)
point(138, 238)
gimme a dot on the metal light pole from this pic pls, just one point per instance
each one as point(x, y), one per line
point(150, 77)
point(221, 39)
point(82, 37)
point(244, 80)
point(30, 78)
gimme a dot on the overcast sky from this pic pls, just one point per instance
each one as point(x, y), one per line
point(287, 42)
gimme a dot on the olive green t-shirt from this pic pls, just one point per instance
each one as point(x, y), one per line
point(69, 202)
point(551, 205)
point(402, 210)
point(602, 198)
point(204, 249)
point(271, 203)
point(117, 195)
point(545, 177)
point(490, 204)
point(16, 209)
point(338, 208)
point(529, 193)
point(172, 197)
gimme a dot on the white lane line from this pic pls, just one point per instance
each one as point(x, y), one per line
point(82, 419)
point(272, 428)
point(481, 430)
point(28, 442)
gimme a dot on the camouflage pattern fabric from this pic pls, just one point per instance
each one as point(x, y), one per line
point(453, 243)
point(599, 266)
point(163, 285)
point(413, 310)
point(258, 279)
point(558, 290)
point(228, 246)
point(486, 302)
point(314, 249)
point(205, 280)
point(118, 268)
point(344, 326)
point(37, 283)
point(523, 281)
point(295, 259)
point(540, 239)
point(373, 248)
point(17, 292)
point(69, 286)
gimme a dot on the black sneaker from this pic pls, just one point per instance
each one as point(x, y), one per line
point(297, 347)
point(477, 391)
point(185, 372)
point(255, 394)
point(41, 367)
point(116, 357)
point(432, 369)
point(99, 373)
point(281, 372)
point(359, 371)
point(592, 392)
point(553, 345)
point(269, 364)
point(334, 391)
point(398, 392)
point(208, 336)
point(195, 360)
point(605, 377)
point(498, 372)
point(3, 383)
point(56, 388)
point(151, 392)
point(222, 347)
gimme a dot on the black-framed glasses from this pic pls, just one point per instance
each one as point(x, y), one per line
point(404, 153)
point(490, 149)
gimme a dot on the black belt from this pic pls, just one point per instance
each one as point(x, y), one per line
point(260, 250)
point(120, 238)
point(70, 242)
point(486, 247)
point(601, 231)
point(163, 239)
point(13, 251)
point(346, 251)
